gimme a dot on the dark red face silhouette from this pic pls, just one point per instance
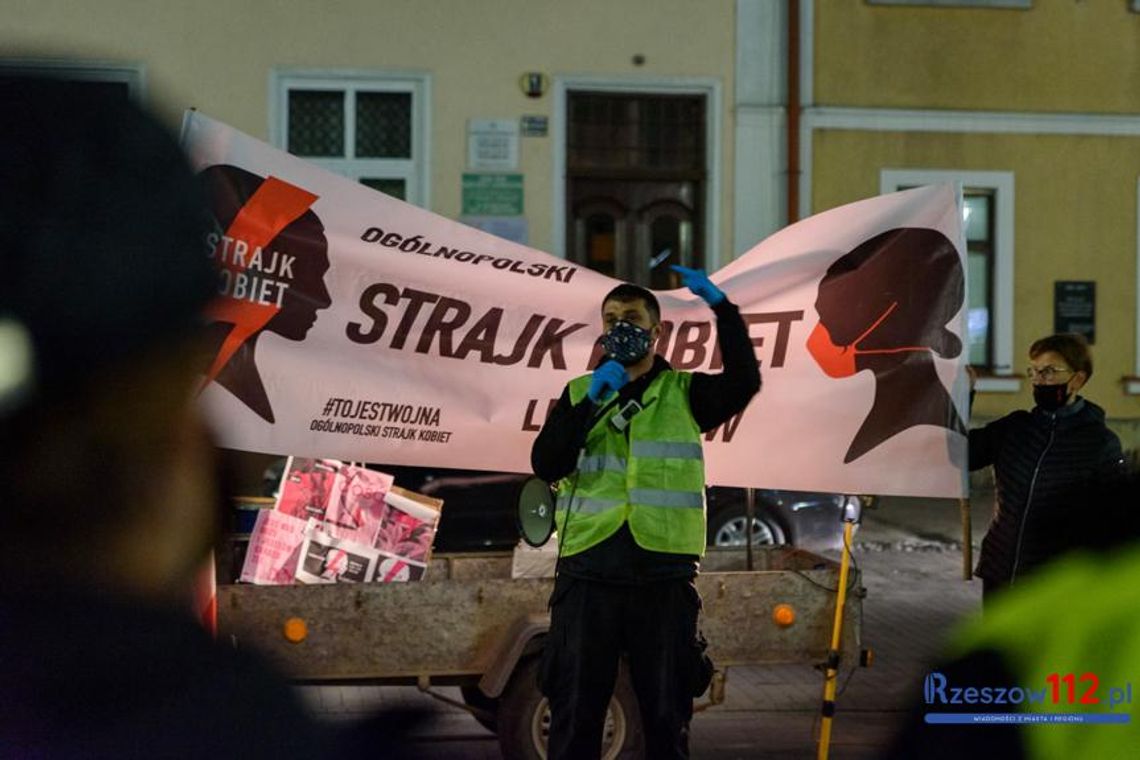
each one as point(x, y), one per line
point(884, 307)
point(272, 255)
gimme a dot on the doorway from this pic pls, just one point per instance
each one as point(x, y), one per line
point(635, 184)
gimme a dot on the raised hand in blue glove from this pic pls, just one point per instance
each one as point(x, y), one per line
point(611, 376)
point(698, 282)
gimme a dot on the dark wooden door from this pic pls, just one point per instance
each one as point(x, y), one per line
point(635, 184)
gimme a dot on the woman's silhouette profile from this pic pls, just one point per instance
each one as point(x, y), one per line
point(884, 307)
point(293, 262)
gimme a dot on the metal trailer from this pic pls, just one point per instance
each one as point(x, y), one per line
point(469, 624)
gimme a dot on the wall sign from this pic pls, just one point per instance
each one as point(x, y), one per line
point(492, 194)
point(534, 126)
point(1074, 307)
point(493, 144)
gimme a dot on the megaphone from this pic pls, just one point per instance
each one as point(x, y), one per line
point(535, 512)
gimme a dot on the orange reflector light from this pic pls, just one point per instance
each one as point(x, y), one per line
point(784, 615)
point(296, 630)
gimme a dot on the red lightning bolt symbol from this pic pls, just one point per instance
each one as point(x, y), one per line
point(273, 206)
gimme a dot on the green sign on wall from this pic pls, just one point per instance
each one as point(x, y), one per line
point(492, 194)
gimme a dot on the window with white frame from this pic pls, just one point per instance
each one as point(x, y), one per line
point(369, 127)
point(987, 211)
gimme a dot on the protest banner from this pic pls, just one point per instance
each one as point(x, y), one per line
point(356, 326)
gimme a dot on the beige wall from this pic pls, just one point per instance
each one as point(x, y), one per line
point(1076, 195)
point(216, 55)
point(1060, 56)
point(1075, 219)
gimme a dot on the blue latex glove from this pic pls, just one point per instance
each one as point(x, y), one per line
point(698, 282)
point(609, 377)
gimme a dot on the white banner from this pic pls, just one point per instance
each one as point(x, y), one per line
point(357, 327)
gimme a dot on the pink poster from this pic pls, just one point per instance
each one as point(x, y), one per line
point(408, 527)
point(307, 488)
point(347, 500)
point(339, 523)
point(274, 549)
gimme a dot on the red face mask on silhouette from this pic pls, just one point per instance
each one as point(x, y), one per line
point(839, 361)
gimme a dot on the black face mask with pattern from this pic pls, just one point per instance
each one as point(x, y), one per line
point(626, 343)
point(1051, 397)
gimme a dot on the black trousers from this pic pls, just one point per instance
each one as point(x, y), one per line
point(592, 625)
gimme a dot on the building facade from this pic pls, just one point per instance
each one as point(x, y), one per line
point(631, 134)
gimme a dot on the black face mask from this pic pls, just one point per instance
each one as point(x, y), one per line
point(627, 343)
point(1051, 397)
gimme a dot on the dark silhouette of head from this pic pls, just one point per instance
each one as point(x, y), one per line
point(884, 307)
point(267, 286)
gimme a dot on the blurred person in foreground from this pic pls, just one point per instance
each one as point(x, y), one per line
point(1051, 467)
point(112, 491)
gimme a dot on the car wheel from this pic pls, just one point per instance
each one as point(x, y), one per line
point(727, 528)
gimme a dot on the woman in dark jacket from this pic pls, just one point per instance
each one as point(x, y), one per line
point(1050, 465)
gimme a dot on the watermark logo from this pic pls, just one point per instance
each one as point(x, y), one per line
point(1059, 689)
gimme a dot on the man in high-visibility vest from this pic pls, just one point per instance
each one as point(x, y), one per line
point(624, 445)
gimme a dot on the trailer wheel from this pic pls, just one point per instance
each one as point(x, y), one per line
point(474, 697)
point(524, 718)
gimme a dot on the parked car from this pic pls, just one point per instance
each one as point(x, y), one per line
point(479, 510)
point(803, 519)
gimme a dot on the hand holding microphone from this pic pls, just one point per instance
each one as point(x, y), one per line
point(611, 376)
point(699, 283)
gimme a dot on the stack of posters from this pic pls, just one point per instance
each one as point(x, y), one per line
point(339, 523)
point(407, 530)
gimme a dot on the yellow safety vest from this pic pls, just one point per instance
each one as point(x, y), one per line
point(653, 478)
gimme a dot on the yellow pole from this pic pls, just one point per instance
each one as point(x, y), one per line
point(967, 540)
point(832, 672)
